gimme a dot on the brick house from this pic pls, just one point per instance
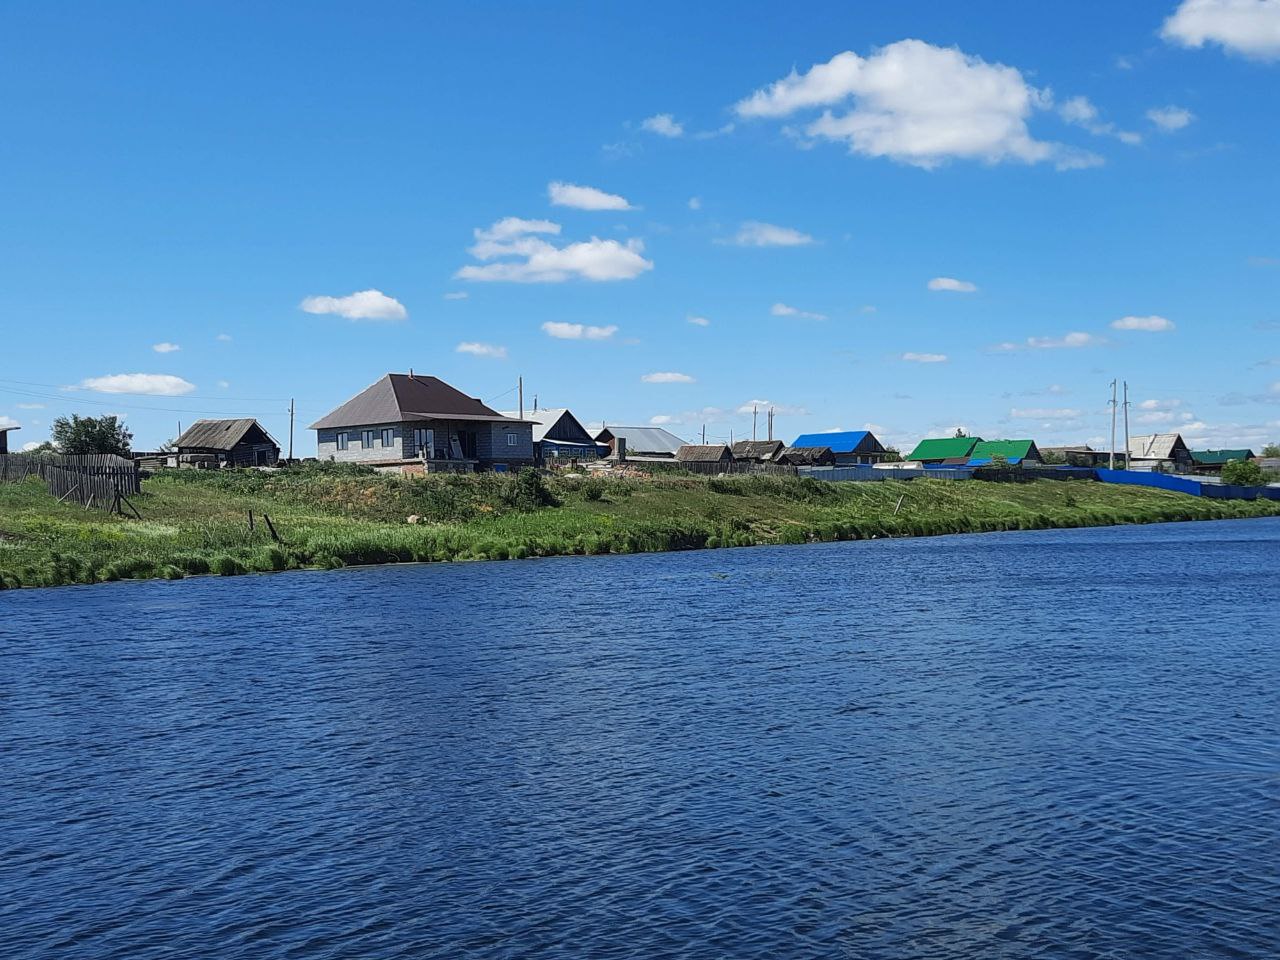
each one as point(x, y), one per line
point(416, 424)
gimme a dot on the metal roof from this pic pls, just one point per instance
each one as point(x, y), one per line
point(400, 397)
point(545, 420)
point(944, 448)
point(1012, 450)
point(218, 434)
point(843, 441)
point(1216, 457)
point(1157, 446)
point(645, 439)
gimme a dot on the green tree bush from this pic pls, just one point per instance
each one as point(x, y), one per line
point(1244, 473)
point(78, 436)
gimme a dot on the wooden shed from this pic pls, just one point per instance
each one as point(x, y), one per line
point(807, 457)
point(758, 451)
point(233, 443)
point(710, 453)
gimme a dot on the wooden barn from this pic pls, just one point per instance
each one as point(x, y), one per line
point(758, 451)
point(807, 457)
point(704, 458)
point(558, 435)
point(228, 443)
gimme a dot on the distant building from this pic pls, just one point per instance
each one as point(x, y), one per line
point(848, 446)
point(1212, 461)
point(232, 443)
point(651, 443)
point(1080, 456)
point(558, 434)
point(4, 438)
point(758, 451)
point(807, 457)
point(1159, 451)
point(1015, 452)
point(710, 454)
point(415, 424)
point(944, 451)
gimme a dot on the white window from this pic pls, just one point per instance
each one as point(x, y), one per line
point(343, 439)
point(366, 439)
point(512, 440)
point(388, 437)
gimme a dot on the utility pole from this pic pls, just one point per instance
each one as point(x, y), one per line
point(754, 417)
point(290, 428)
point(704, 434)
point(1126, 424)
point(771, 424)
point(1112, 461)
point(520, 387)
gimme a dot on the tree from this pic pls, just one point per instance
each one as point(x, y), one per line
point(1271, 450)
point(85, 435)
point(892, 455)
point(1243, 473)
point(1053, 457)
point(960, 434)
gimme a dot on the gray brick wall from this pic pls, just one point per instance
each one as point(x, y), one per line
point(492, 445)
point(357, 452)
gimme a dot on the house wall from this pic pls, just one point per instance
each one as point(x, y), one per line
point(493, 446)
point(491, 441)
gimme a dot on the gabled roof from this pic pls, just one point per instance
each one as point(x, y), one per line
point(547, 419)
point(399, 397)
point(1014, 451)
point(843, 441)
point(643, 439)
point(805, 456)
point(757, 449)
point(703, 453)
point(219, 434)
point(1157, 446)
point(944, 448)
point(1218, 457)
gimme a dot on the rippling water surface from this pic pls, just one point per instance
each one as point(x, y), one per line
point(1057, 744)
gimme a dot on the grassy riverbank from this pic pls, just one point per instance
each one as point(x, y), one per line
point(196, 523)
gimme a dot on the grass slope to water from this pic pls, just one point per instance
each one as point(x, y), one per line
point(196, 522)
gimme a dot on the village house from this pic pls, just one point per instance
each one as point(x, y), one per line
point(1212, 461)
point(704, 458)
point(848, 447)
point(640, 443)
point(1082, 455)
point(230, 443)
point(414, 424)
point(1159, 451)
point(558, 435)
point(807, 457)
point(1015, 452)
point(4, 438)
point(944, 451)
point(758, 451)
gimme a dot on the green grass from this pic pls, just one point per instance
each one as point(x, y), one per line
point(197, 523)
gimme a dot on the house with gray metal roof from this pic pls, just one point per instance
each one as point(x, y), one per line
point(411, 423)
point(232, 443)
point(641, 442)
point(558, 435)
point(1159, 451)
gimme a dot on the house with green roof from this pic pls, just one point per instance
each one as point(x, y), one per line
point(943, 450)
point(1013, 451)
point(1212, 461)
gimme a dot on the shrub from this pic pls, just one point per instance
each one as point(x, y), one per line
point(529, 492)
point(226, 566)
point(1244, 473)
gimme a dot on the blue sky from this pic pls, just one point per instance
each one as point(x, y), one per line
point(950, 215)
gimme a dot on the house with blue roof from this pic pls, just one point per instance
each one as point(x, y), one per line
point(848, 446)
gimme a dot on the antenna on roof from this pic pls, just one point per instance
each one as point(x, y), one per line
point(411, 373)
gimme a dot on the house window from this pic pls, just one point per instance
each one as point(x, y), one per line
point(512, 440)
point(424, 441)
point(366, 439)
point(343, 439)
point(388, 437)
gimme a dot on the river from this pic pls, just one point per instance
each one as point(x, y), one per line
point(1045, 744)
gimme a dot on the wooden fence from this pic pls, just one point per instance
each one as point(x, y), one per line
point(104, 481)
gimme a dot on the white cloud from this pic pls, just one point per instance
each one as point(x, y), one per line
point(1082, 113)
point(584, 198)
point(784, 310)
point(695, 203)
point(223, 384)
point(577, 331)
point(31, 406)
point(1247, 27)
point(149, 384)
point(223, 338)
point(362, 305)
point(30, 445)
point(165, 347)
point(752, 233)
point(763, 406)
point(1170, 118)
point(1044, 413)
point(924, 357)
point(457, 295)
point(669, 377)
point(487, 350)
point(1170, 404)
point(663, 124)
point(525, 257)
point(1151, 324)
point(1070, 341)
point(915, 103)
point(663, 420)
point(699, 321)
point(952, 284)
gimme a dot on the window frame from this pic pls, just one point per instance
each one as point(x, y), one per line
point(342, 440)
point(388, 437)
point(366, 439)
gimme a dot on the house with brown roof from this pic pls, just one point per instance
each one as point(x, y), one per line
point(417, 424)
point(230, 443)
